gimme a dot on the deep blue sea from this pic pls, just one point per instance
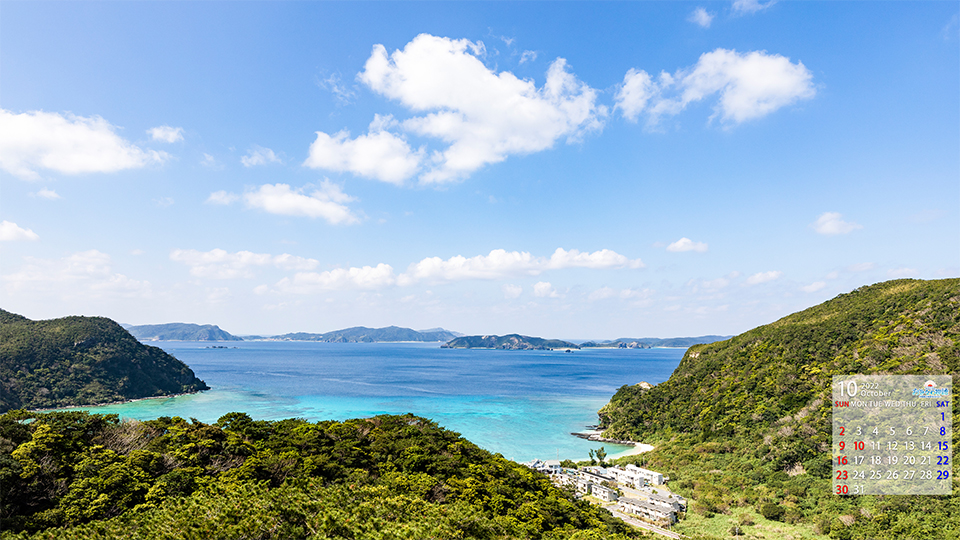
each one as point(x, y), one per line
point(522, 404)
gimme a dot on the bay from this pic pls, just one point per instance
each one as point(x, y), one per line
point(521, 404)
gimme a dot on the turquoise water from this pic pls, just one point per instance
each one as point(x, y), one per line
point(522, 404)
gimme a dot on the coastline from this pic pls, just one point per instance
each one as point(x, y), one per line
point(120, 402)
point(597, 436)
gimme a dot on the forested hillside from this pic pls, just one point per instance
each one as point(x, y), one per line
point(87, 476)
point(746, 422)
point(82, 361)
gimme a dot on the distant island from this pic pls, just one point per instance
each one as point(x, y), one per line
point(362, 334)
point(82, 361)
point(648, 343)
point(510, 341)
point(180, 332)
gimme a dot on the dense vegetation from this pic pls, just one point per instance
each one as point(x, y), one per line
point(746, 423)
point(82, 360)
point(362, 334)
point(181, 332)
point(76, 475)
point(509, 341)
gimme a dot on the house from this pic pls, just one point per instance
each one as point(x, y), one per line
point(647, 510)
point(596, 481)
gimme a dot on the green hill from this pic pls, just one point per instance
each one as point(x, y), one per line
point(82, 361)
point(180, 332)
point(746, 422)
point(509, 341)
point(387, 477)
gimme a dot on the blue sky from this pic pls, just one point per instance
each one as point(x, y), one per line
point(573, 170)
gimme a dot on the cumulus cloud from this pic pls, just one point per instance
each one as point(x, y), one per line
point(367, 277)
point(222, 197)
point(481, 115)
point(763, 277)
point(511, 291)
point(814, 287)
point(66, 144)
point(832, 223)
point(748, 85)
point(86, 274)
point(47, 194)
point(220, 264)
point(501, 263)
point(701, 17)
point(686, 244)
point(11, 232)
point(325, 202)
point(543, 289)
point(744, 7)
point(379, 154)
point(637, 89)
point(166, 134)
point(258, 155)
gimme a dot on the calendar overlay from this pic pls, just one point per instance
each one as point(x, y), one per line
point(892, 435)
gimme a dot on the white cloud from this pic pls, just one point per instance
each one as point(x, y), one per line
point(763, 277)
point(222, 197)
point(482, 115)
point(604, 258)
point(258, 155)
point(367, 277)
point(86, 274)
point(832, 223)
point(814, 287)
point(528, 56)
point(11, 232)
point(903, 272)
point(325, 202)
point(164, 202)
point(166, 134)
point(750, 85)
point(685, 244)
point(543, 289)
point(501, 263)
point(220, 264)
point(333, 83)
point(742, 7)
point(637, 89)
point(47, 194)
point(379, 154)
point(210, 161)
point(511, 291)
point(66, 144)
point(701, 17)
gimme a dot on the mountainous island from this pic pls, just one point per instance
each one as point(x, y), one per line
point(180, 332)
point(82, 361)
point(362, 334)
point(509, 341)
point(649, 343)
point(744, 425)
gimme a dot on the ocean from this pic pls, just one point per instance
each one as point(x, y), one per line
point(521, 404)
